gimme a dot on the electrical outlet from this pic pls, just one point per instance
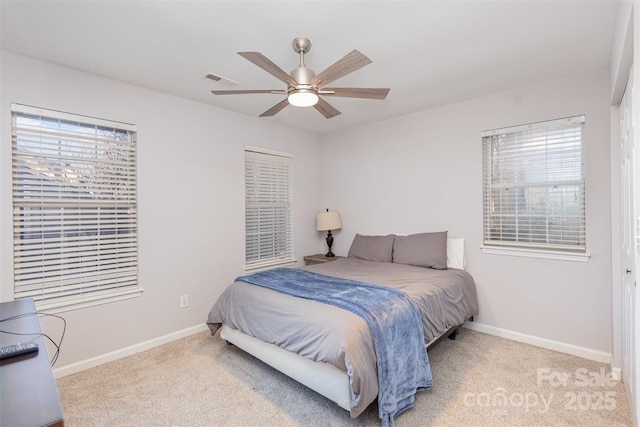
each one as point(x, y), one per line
point(184, 301)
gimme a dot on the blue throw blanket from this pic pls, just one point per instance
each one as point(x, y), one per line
point(394, 321)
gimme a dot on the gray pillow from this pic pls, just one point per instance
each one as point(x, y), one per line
point(372, 248)
point(424, 250)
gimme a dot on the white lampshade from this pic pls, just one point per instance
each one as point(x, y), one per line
point(303, 98)
point(329, 220)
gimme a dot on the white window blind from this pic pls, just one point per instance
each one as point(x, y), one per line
point(534, 186)
point(74, 208)
point(268, 208)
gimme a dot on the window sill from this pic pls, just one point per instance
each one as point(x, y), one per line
point(536, 253)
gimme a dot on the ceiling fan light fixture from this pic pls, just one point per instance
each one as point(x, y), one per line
point(303, 97)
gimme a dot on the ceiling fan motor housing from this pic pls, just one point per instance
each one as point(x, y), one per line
point(303, 75)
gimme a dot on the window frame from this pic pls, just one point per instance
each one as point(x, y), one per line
point(525, 149)
point(75, 209)
point(268, 253)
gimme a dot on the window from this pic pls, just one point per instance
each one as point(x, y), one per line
point(74, 208)
point(534, 187)
point(268, 208)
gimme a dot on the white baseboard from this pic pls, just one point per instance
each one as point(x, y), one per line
point(127, 351)
point(595, 355)
point(586, 353)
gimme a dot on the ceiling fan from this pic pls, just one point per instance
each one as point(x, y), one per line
point(304, 87)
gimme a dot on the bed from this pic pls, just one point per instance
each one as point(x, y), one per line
point(333, 350)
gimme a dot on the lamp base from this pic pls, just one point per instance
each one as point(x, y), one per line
point(329, 243)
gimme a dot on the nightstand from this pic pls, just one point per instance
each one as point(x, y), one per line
point(319, 259)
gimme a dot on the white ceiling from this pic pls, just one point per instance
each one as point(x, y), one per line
point(429, 53)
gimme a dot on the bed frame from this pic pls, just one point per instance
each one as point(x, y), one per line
point(320, 377)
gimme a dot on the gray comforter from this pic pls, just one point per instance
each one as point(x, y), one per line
point(329, 334)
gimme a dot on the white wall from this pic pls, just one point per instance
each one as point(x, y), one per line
point(191, 199)
point(423, 172)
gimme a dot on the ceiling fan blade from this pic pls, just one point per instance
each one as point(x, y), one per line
point(265, 63)
point(349, 63)
point(356, 92)
point(275, 109)
point(326, 109)
point(244, 92)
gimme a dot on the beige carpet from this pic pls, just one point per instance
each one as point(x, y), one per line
point(480, 380)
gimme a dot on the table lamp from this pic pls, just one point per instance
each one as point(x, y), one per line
point(327, 221)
